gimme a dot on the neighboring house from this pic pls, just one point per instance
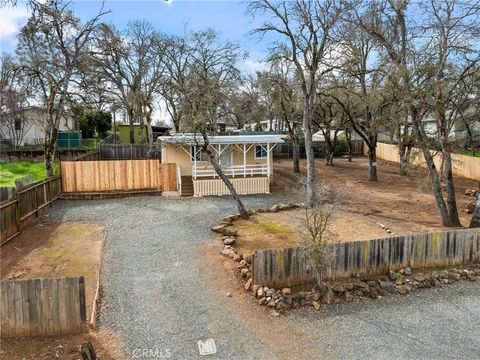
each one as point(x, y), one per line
point(124, 132)
point(268, 125)
point(318, 136)
point(246, 159)
point(29, 128)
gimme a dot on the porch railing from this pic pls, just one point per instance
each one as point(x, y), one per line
point(233, 171)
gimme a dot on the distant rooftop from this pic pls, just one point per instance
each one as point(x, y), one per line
point(194, 139)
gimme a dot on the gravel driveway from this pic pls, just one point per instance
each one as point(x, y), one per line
point(158, 298)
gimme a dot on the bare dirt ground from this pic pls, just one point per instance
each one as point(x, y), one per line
point(54, 249)
point(404, 204)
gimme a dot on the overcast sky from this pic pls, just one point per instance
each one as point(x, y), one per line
point(228, 17)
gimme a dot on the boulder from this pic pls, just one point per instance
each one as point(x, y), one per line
point(228, 252)
point(274, 208)
point(316, 305)
point(339, 289)
point(373, 293)
point(388, 286)
point(218, 228)
point(286, 291)
point(237, 257)
point(262, 301)
point(419, 277)
point(229, 240)
point(348, 296)
point(392, 275)
point(329, 297)
point(248, 284)
point(402, 289)
point(408, 271)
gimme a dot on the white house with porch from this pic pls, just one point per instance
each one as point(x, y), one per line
point(246, 159)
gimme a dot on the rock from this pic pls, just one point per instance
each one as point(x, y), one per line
point(218, 228)
point(229, 294)
point(286, 291)
point(271, 303)
point(373, 293)
point(316, 305)
point(338, 289)
point(245, 272)
point(470, 207)
point(328, 298)
point(444, 274)
point(274, 208)
point(284, 207)
point(454, 276)
point(400, 280)
point(237, 257)
point(229, 240)
point(348, 296)
point(371, 283)
point(471, 192)
point(248, 284)
point(248, 259)
point(392, 275)
point(402, 289)
point(408, 271)
point(288, 300)
point(275, 314)
point(262, 301)
point(242, 263)
point(231, 218)
point(349, 286)
point(388, 286)
point(419, 277)
point(360, 286)
point(228, 252)
point(260, 293)
point(445, 281)
point(316, 296)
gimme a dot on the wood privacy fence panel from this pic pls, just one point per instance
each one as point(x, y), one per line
point(463, 165)
point(26, 203)
point(288, 267)
point(115, 175)
point(42, 307)
point(244, 186)
point(129, 151)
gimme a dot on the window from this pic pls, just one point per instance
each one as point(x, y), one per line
point(260, 152)
point(199, 156)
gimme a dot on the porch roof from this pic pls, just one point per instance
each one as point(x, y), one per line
point(196, 139)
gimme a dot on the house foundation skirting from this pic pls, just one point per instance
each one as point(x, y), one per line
point(244, 186)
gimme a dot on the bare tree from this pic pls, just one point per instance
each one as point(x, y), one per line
point(305, 28)
point(212, 76)
point(50, 48)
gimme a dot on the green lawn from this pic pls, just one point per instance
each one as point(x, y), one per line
point(469, 153)
point(14, 170)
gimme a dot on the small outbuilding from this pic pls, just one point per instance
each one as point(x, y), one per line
point(246, 159)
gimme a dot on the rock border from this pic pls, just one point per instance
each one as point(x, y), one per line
point(401, 282)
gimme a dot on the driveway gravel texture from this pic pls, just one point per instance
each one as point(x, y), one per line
point(161, 294)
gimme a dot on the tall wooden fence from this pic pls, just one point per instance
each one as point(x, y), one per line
point(116, 175)
point(27, 202)
point(42, 307)
point(129, 151)
point(463, 165)
point(292, 266)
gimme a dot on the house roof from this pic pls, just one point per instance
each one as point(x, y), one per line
point(194, 139)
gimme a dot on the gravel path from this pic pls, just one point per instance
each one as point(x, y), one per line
point(157, 296)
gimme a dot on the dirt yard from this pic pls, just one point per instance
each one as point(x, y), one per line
point(403, 204)
point(52, 249)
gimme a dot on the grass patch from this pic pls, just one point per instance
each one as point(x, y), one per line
point(11, 171)
point(469, 153)
point(266, 226)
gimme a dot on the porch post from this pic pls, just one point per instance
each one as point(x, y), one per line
point(194, 161)
point(268, 161)
point(244, 160)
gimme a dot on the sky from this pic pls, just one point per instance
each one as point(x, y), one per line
point(226, 16)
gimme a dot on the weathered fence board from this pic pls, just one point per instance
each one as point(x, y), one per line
point(129, 151)
point(291, 266)
point(26, 203)
point(41, 307)
point(117, 175)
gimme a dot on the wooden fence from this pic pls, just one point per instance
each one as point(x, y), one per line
point(27, 202)
point(42, 307)
point(117, 175)
point(88, 156)
point(129, 151)
point(463, 165)
point(292, 266)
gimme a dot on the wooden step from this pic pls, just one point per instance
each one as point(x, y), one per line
point(187, 186)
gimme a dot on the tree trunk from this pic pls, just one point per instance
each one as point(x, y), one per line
point(451, 197)
point(149, 132)
point(372, 163)
point(221, 175)
point(131, 127)
point(296, 154)
point(307, 120)
point(475, 222)
point(404, 152)
point(50, 144)
point(348, 135)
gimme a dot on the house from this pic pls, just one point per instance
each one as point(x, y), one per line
point(28, 127)
point(246, 159)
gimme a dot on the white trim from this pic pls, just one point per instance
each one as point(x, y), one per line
point(255, 152)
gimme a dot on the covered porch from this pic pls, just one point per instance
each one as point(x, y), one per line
point(246, 159)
